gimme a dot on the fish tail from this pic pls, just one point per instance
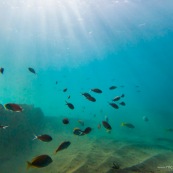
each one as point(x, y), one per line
point(122, 124)
point(28, 165)
point(35, 137)
point(55, 152)
point(108, 131)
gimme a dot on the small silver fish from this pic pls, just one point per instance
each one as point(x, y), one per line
point(3, 127)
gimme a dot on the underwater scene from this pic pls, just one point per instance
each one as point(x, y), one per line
point(86, 86)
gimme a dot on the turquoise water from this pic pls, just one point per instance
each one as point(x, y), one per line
point(91, 44)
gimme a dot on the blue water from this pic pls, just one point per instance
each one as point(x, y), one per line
point(90, 44)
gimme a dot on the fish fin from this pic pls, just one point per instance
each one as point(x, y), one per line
point(5, 107)
point(108, 131)
point(28, 165)
point(35, 137)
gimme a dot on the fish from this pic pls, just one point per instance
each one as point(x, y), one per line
point(65, 89)
point(86, 94)
point(62, 146)
point(56, 82)
point(44, 138)
point(169, 130)
point(112, 87)
point(65, 121)
point(70, 105)
point(87, 130)
point(129, 125)
point(81, 122)
point(114, 105)
point(106, 125)
point(122, 95)
point(116, 98)
point(3, 127)
point(106, 118)
point(145, 118)
point(68, 97)
point(90, 98)
point(40, 161)
point(78, 132)
point(31, 70)
point(13, 107)
point(96, 90)
point(122, 103)
point(1, 70)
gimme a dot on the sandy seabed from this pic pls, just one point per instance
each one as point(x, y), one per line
point(93, 155)
point(86, 154)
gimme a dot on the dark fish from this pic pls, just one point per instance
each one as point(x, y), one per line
point(44, 138)
point(96, 90)
point(56, 82)
point(40, 161)
point(106, 125)
point(116, 98)
point(90, 98)
point(70, 105)
point(62, 146)
point(169, 130)
point(65, 89)
point(31, 70)
point(122, 103)
point(129, 125)
point(65, 121)
point(87, 130)
point(122, 95)
point(68, 97)
point(78, 132)
point(145, 118)
point(3, 127)
point(86, 94)
point(13, 107)
point(1, 70)
point(114, 105)
point(112, 87)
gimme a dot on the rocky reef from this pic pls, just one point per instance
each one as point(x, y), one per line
point(17, 137)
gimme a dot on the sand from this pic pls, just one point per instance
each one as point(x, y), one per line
point(89, 155)
point(86, 154)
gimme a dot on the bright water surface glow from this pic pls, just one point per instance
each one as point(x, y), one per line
point(84, 44)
